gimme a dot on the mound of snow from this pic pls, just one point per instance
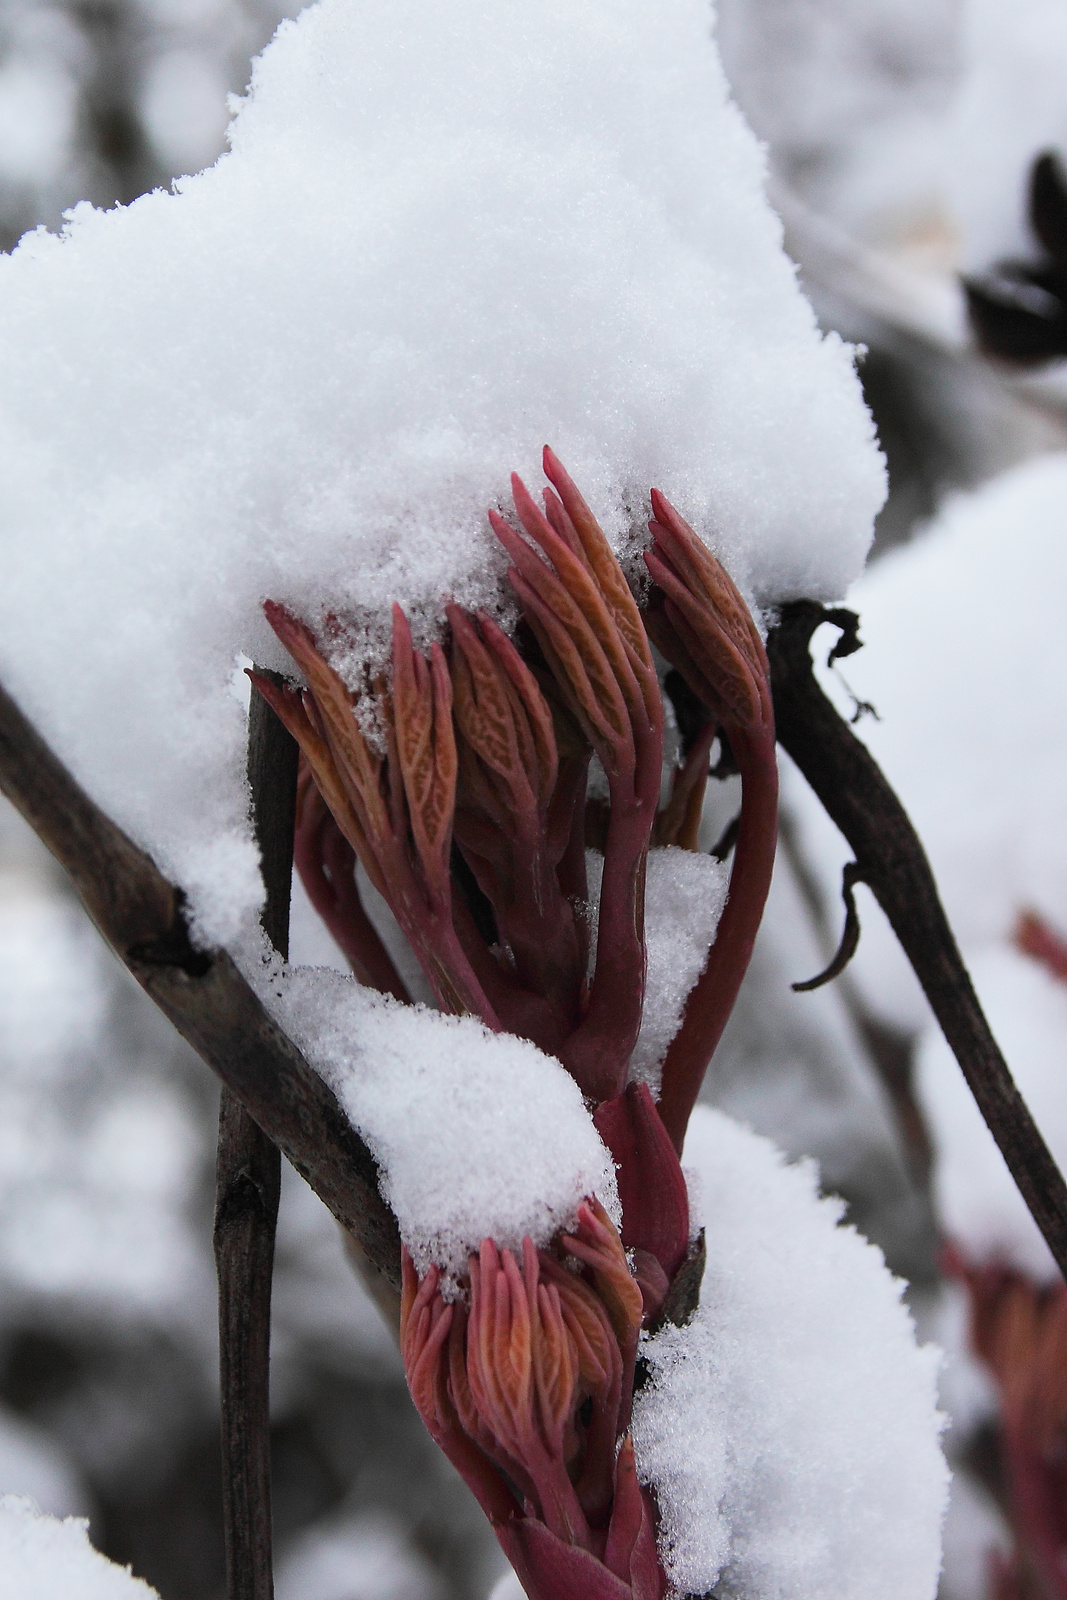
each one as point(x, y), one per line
point(791, 1430)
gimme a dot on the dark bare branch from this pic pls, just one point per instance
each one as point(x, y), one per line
point(247, 1188)
point(248, 1180)
point(891, 860)
point(201, 991)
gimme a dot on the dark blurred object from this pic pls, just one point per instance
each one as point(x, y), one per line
point(1018, 310)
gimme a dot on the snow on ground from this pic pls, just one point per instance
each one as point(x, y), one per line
point(808, 1463)
point(42, 1558)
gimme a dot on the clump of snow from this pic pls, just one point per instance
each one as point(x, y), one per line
point(685, 892)
point(443, 236)
point(41, 1558)
point(791, 1430)
point(977, 1200)
point(478, 1134)
point(963, 659)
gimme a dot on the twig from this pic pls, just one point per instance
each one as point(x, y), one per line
point(248, 1178)
point(201, 991)
point(891, 861)
point(247, 1186)
point(850, 936)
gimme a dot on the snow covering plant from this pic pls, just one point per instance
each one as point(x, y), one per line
point(461, 788)
point(526, 1382)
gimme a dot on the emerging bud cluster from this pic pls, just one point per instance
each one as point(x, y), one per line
point(472, 821)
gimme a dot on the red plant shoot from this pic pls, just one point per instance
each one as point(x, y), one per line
point(471, 820)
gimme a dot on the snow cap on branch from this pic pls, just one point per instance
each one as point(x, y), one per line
point(443, 236)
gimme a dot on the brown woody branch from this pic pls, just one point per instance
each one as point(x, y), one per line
point(247, 1188)
point(142, 916)
point(891, 861)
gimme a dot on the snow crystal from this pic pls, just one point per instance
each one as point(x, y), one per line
point(477, 1134)
point(443, 235)
point(685, 893)
point(791, 1430)
point(979, 1205)
point(41, 1559)
point(963, 659)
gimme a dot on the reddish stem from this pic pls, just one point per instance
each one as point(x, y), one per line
point(597, 1054)
point(326, 863)
point(712, 999)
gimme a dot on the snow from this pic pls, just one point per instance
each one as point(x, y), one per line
point(478, 1134)
point(979, 1205)
point(308, 371)
point(972, 709)
point(41, 1558)
point(685, 893)
point(791, 1430)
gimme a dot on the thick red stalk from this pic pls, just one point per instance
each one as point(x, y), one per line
point(591, 633)
point(396, 813)
point(326, 863)
point(702, 625)
point(712, 999)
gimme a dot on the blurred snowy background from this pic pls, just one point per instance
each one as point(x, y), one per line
point(900, 141)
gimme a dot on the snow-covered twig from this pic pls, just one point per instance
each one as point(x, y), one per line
point(141, 915)
point(891, 861)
